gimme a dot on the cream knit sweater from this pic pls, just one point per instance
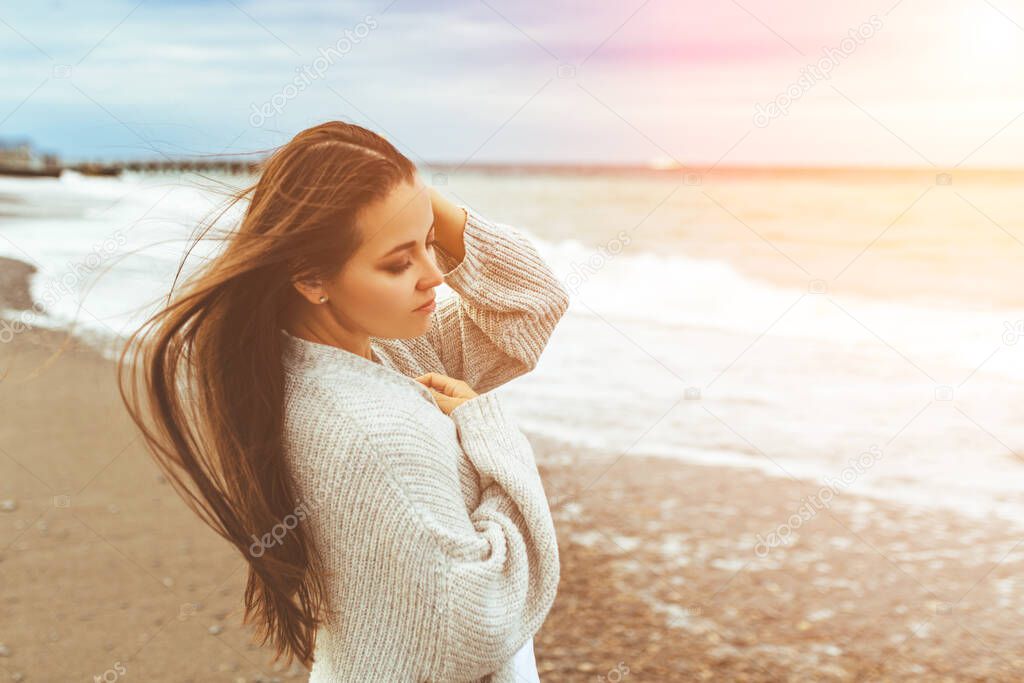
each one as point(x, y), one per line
point(435, 529)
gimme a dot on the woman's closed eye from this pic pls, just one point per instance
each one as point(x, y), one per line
point(402, 267)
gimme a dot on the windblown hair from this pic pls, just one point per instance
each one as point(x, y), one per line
point(203, 377)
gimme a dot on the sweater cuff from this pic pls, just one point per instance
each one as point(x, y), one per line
point(494, 441)
point(480, 412)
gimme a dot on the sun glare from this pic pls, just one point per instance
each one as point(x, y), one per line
point(992, 43)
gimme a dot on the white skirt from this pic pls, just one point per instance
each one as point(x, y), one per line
point(525, 664)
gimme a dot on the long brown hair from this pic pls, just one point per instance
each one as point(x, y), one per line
point(203, 377)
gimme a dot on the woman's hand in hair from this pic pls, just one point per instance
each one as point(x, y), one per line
point(449, 225)
point(449, 392)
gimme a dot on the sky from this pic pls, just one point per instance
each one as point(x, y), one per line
point(937, 83)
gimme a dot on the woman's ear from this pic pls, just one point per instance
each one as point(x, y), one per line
point(310, 290)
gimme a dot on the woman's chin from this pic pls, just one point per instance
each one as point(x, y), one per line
point(416, 327)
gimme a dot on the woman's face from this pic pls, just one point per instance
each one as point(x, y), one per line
point(393, 272)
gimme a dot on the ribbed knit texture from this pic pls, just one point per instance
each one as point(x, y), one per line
point(438, 541)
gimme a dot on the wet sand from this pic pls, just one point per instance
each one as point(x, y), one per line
point(662, 572)
point(104, 572)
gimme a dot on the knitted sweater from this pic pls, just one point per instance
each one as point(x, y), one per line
point(435, 530)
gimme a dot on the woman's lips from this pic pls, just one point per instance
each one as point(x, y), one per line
point(427, 308)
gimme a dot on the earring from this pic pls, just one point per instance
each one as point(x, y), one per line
point(323, 298)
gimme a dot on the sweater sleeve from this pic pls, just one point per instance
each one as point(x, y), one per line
point(506, 304)
point(506, 583)
point(458, 591)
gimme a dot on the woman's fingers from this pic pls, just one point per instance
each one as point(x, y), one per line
point(448, 392)
point(433, 380)
point(446, 403)
point(444, 384)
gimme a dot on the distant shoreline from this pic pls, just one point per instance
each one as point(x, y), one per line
point(115, 168)
point(830, 172)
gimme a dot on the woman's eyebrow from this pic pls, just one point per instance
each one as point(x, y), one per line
point(406, 245)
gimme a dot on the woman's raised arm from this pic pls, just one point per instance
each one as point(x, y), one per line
point(506, 306)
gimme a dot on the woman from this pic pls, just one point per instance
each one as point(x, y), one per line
point(301, 395)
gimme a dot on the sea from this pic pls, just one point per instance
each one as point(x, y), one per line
point(862, 328)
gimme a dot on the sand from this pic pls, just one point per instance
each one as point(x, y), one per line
point(105, 573)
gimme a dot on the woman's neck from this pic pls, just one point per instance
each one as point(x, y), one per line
point(331, 335)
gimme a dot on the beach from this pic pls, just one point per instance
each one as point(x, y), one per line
point(779, 422)
point(669, 571)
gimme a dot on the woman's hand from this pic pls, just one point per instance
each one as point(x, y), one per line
point(449, 224)
point(449, 392)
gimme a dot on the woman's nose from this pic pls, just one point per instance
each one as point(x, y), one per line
point(433, 277)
